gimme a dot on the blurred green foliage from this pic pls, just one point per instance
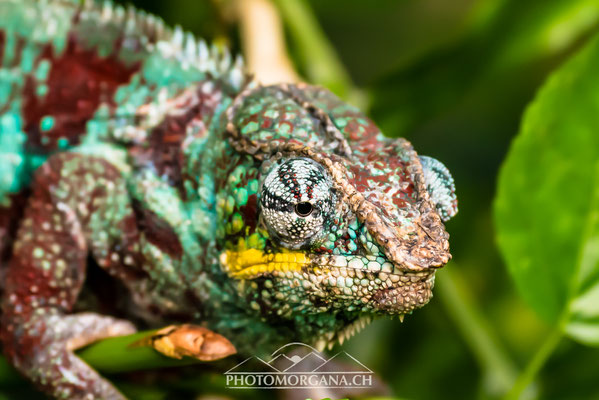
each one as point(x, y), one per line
point(549, 235)
point(547, 206)
point(454, 77)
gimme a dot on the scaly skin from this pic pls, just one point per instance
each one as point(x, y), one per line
point(267, 214)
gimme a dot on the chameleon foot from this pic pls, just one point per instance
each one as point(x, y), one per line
point(42, 349)
point(188, 340)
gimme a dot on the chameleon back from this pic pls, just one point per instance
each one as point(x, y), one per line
point(75, 74)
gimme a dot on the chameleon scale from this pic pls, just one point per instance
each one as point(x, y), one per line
point(250, 263)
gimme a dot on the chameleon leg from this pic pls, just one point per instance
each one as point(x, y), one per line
point(65, 219)
point(48, 360)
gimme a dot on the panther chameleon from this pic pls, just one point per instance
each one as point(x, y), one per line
point(267, 214)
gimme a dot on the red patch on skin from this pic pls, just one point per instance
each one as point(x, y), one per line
point(163, 150)
point(2, 41)
point(157, 231)
point(78, 82)
point(352, 129)
point(250, 212)
point(9, 218)
point(289, 124)
point(267, 123)
point(379, 186)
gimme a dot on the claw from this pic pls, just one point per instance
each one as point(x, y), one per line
point(194, 341)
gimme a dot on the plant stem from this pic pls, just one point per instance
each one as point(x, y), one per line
point(501, 371)
point(536, 363)
point(112, 355)
point(318, 56)
point(264, 42)
point(115, 354)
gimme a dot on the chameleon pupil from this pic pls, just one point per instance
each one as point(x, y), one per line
point(303, 209)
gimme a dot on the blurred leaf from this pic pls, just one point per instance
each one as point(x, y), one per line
point(499, 369)
point(503, 38)
point(547, 206)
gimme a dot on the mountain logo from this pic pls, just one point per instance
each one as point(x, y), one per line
point(298, 365)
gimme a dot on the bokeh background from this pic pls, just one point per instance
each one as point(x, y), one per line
point(454, 77)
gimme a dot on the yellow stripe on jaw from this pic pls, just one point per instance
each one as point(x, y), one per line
point(247, 264)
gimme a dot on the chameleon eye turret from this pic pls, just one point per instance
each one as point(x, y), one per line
point(440, 186)
point(297, 199)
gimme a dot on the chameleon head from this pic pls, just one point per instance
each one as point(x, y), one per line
point(349, 223)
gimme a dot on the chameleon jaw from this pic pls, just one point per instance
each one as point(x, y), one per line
point(247, 264)
point(387, 288)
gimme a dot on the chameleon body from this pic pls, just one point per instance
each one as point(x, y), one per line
point(267, 214)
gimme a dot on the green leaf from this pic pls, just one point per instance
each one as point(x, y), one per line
point(547, 205)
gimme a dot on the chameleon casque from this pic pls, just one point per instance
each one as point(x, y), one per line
point(266, 214)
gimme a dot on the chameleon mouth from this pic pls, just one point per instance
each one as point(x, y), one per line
point(247, 264)
point(388, 288)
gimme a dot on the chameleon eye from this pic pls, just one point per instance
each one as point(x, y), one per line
point(439, 184)
point(303, 209)
point(297, 200)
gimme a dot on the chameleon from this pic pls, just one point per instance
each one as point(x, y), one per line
point(266, 214)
